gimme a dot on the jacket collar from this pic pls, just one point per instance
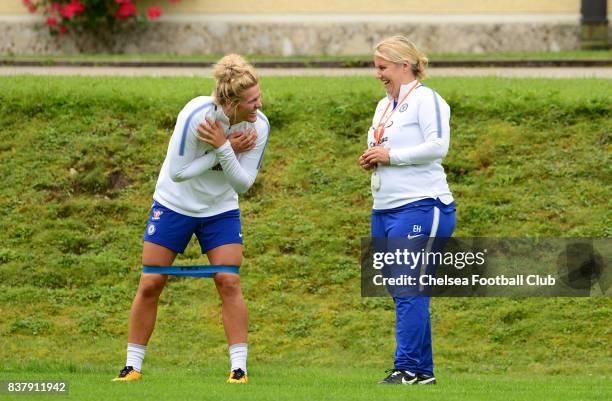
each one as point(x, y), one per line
point(404, 88)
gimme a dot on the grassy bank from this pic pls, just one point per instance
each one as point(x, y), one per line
point(79, 158)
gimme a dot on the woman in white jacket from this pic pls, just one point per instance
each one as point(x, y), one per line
point(214, 154)
point(410, 135)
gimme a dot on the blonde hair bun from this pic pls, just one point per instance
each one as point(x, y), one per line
point(232, 75)
point(230, 67)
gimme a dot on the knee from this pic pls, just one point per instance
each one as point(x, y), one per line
point(151, 287)
point(228, 284)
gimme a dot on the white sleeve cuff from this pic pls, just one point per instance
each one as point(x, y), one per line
point(398, 158)
point(224, 148)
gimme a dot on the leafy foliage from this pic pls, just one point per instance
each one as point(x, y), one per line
point(89, 15)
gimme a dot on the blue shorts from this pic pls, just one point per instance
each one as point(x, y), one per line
point(173, 230)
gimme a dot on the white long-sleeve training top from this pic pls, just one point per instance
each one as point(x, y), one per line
point(200, 181)
point(417, 135)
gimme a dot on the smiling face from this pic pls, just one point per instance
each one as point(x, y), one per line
point(249, 104)
point(392, 75)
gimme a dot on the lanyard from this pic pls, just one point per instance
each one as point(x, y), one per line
point(380, 128)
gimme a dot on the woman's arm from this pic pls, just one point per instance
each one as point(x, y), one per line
point(184, 152)
point(241, 173)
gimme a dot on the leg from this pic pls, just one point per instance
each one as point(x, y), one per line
point(144, 307)
point(412, 327)
point(426, 366)
point(166, 234)
point(234, 312)
point(445, 230)
point(412, 316)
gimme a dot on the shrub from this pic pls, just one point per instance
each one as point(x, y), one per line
point(90, 15)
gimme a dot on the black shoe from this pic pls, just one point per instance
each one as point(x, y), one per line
point(238, 376)
point(425, 379)
point(128, 374)
point(399, 376)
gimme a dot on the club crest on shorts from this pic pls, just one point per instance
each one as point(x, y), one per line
point(157, 214)
point(151, 229)
point(403, 108)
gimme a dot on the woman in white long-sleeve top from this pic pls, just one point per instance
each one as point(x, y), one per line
point(214, 154)
point(409, 136)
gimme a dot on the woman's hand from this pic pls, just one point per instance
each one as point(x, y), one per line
point(374, 156)
point(243, 141)
point(365, 165)
point(212, 133)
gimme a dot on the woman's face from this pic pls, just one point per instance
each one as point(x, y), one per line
point(392, 75)
point(249, 104)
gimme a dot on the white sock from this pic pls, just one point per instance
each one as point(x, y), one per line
point(135, 355)
point(238, 356)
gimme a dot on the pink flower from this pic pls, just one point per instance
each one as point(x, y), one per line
point(31, 6)
point(70, 10)
point(154, 13)
point(55, 6)
point(67, 11)
point(125, 11)
point(77, 6)
point(63, 29)
point(52, 21)
point(123, 1)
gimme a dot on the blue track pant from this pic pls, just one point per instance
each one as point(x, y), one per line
point(431, 218)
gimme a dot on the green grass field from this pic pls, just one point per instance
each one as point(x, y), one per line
point(79, 158)
point(317, 383)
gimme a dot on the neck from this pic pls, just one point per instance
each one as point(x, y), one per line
point(404, 81)
point(408, 80)
point(228, 110)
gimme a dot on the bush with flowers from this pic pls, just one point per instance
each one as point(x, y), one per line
point(78, 15)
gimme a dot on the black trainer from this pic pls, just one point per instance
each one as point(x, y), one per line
point(238, 376)
point(425, 379)
point(128, 374)
point(399, 376)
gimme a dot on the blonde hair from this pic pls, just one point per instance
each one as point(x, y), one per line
point(399, 49)
point(233, 75)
